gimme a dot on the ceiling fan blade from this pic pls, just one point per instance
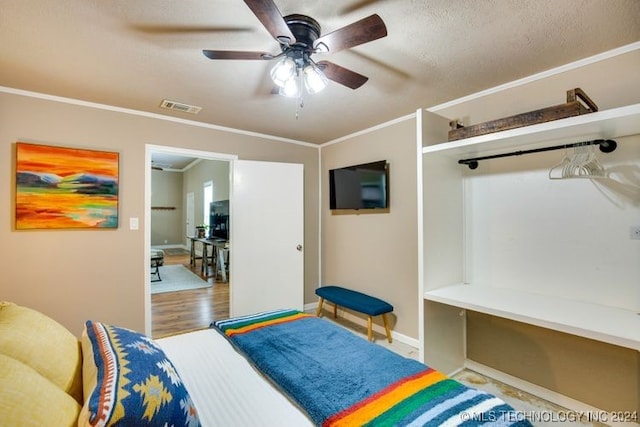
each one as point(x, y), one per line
point(268, 14)
point(232, 54)
point(358, 5)
point(360, 32)
point(187, 29)
point(342, 75)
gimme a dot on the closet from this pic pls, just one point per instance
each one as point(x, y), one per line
point(521, 244)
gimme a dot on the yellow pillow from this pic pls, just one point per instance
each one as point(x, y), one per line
point(29, 399)
point(43, 344)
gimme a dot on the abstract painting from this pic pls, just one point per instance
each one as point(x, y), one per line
point(65, 188)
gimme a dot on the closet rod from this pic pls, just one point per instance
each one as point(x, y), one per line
point(605, 145)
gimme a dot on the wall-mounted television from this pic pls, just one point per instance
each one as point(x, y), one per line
point(364, 186)
point(219, 220)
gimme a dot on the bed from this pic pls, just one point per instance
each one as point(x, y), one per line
point(241, 372)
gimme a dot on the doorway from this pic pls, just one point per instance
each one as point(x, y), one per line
point(266, 218)
point(169, 219)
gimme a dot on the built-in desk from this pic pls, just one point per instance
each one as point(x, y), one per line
point(219, 251)
point(598, 322)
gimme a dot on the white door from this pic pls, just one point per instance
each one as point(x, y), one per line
point(267, 231)
point(190, 218)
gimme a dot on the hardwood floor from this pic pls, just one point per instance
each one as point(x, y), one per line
point(176, 312)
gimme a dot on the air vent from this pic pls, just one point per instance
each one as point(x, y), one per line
point(178, 106)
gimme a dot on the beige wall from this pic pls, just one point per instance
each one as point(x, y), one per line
point(166, 192)
point(78, 275)
point(599, 374)
point(216, 171)
point(376, 253)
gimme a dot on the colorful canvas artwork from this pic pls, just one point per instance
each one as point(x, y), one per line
point(65, 188)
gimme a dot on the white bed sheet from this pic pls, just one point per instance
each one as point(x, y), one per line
point(224, 387)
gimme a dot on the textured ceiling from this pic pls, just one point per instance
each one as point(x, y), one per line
point(133, 54)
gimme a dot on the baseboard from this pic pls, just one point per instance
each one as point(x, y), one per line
point(554, 397)
point(311, 307)
point(413, 342)
point(170, 247)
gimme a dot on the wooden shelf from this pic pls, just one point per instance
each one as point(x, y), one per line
point(598, 322)
point(616, 122)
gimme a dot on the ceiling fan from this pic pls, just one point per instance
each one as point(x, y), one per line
point(300, 37)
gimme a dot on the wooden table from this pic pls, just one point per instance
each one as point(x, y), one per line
point(219, 248)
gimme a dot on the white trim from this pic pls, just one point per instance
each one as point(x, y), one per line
point(320, 174)
point(170, 246)
point(405, 339)
point(378, 328)
point(157, 116)
point(148, 318)
point(312, 307)
point(543, 393)
point(190, 165)
point(208, 155)
point(539, 76)
point(420, 232)
point(369, 130)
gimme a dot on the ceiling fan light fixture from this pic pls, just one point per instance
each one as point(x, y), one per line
point(283, 71)
point(314, 79)
point(291, 89)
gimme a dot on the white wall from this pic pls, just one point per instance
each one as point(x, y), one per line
point(567, 238)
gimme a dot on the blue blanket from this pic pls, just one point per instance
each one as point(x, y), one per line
point(341, 379)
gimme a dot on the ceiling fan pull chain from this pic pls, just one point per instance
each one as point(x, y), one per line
point(300, 106)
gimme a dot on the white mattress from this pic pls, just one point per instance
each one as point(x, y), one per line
point(224, 387)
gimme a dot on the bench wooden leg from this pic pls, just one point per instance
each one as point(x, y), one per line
point(370, 328)
point(335, 311)
point(386, 326)
point(319, 311)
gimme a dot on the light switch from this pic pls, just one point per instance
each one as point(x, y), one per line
point(133, 223)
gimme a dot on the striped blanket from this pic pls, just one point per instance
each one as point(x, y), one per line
point(340, 379)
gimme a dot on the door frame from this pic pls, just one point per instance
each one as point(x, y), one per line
point(190, 213)
point(149, 149)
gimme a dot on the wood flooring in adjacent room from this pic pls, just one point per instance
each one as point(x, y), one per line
point(177, 312)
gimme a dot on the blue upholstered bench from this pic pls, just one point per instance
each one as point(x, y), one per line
point(356, 301)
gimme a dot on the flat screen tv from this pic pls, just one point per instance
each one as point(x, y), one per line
point(219, 220)
point(363, 186)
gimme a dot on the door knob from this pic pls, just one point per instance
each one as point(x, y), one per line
point(299, 247)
